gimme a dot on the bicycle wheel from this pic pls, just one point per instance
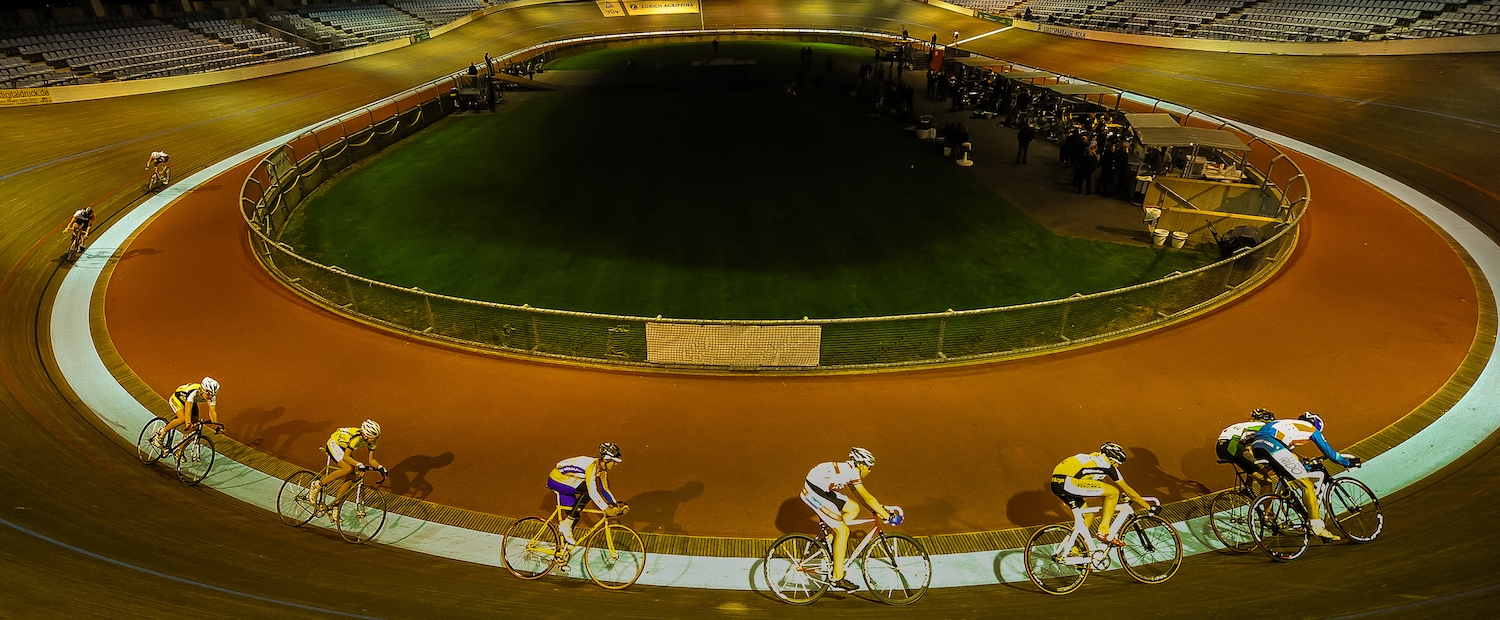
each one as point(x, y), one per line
point(293, 503)
point(166, 177)
point(529, 547)
point(897, 569)
point(1279, 527)
point(614, 557)
point(195, 458)
point(1353, 507)
point(1054, 568)
point(143, 448)
point(362, 515)
point(1153, 549)
point(1229, 515)
point(797, 569)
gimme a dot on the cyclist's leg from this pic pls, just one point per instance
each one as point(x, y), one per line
point(180, 421)
point(1286, 464)
point(834, 510)
point(568, 498)
point(1083, 488)
point(342, 459)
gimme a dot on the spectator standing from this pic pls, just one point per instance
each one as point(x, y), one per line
point(1023, 141)
point(1106, 171)
point(1083, 171)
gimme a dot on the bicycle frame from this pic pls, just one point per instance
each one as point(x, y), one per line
point(1081, 531)
point(858, 549)
point(566, 551)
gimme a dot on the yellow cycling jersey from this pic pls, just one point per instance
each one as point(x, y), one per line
point(351, 438)
point(1086, 467)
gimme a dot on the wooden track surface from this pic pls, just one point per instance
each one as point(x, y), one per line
point(1425, 120)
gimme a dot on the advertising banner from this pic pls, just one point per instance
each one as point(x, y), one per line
point(660, 7)
point(14, 97)
point(733, 345)
point(611, 8)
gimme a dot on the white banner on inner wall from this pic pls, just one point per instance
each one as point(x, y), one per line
point(660, 7)
point(733, 345)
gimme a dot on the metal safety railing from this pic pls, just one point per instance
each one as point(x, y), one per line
point(284, 178)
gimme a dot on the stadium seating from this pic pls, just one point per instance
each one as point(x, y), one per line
point(439, 12)
point(1262, 20)
point(123, 50)
point(253, 40)
point(371, 22)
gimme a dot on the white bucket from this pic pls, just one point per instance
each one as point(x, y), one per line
point(1179, 239)
point(947, 151)
point(1159, 237)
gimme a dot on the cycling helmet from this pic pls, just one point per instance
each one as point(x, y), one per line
point(1261, 415)
point(370, 429)
point(610, 452)
point(861, 456)
point(1112, 451)
point(1315, 419)
point(210, 387)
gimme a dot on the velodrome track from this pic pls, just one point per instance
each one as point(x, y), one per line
point(107, 504)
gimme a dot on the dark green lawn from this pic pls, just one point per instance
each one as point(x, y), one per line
point(699, 192)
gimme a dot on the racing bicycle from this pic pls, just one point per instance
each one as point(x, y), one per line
point(614, 556)
point(1229, 513)
point(359, 512)
point(1279, 520)
point(1059, 558)
point(799, 568)
point(160, 175)
point(193, 455)
point(75, 244)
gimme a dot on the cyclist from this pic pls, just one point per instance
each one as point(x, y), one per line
point(1234, 441)
point(341, 445)
point(823, 491)
point(582, 479)
point(184, 402)
point(1082, 476)
point(1274, 442)
point(81, 224)
point(157, 160)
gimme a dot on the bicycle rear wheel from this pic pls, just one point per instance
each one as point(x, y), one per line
point(1229, 515)
point(362, 515)
point(529, 548)
point(1153, 549)
point(614, 557)
point(897, 569)
point(1053, 567)
point(143, 448)
point(293, 503)
point(195, 458)
point(1353, 507)
point(1279, 527)
point(797, 569)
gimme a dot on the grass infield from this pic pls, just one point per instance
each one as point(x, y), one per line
point(664, 188)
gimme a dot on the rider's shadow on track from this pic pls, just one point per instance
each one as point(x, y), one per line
point(1036, 508)
point(656, 511)
point(254, 428)
point(1143, 472)
point(409, 477)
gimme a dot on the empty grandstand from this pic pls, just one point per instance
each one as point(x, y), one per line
point(439, 12)
point(1261, 20)
point(118, 50)
point(372, 22)
point(253, 40)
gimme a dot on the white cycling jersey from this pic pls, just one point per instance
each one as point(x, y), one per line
point(833, 477)
point(1238, 431)
point(159, 157)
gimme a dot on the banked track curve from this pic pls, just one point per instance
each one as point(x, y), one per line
point(109, 506)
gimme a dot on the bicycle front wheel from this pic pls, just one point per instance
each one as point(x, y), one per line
point(797, 569)
point(529, 548)
point(1279, 527)
point(362, 515)
point(897, 569)
point(1153, 549)
point(293, 503)
point(195, 458)
point(149, 453)
point(1353, 507)
point(1056, 560)
point(614, 557)
point(1229, 515)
